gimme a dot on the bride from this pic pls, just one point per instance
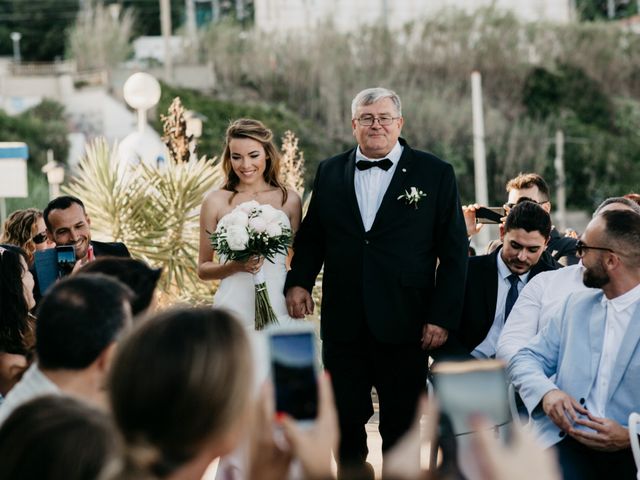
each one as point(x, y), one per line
point(251, 164)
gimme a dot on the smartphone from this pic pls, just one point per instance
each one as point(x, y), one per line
point(475, 387)
point(66, 259)
point(294, 371)
point(490, 214)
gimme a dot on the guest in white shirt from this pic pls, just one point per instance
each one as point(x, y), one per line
point(592, 347)
point(78, 325)
point(543, 296)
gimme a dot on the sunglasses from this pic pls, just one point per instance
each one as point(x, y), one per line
point(581, 248)
point(40, 238)
point(511, 205)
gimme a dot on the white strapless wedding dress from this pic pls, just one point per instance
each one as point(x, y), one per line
point(237, 293)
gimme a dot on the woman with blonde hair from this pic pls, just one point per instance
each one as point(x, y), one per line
point(251, 164)
point(180, 391)
point(26, 229)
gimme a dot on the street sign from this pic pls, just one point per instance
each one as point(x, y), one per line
point(13, 170)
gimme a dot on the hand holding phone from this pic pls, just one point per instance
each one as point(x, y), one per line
point(475, 387)
point(66, 255)
point(294, 371)
point(490, 214)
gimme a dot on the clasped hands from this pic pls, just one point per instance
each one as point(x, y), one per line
point(299, 302)
point(565, 411)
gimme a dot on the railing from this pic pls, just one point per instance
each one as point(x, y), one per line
point(43, 68)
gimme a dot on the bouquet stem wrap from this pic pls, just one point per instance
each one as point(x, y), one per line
point(264, 311)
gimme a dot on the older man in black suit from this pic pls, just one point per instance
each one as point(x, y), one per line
point(385, 220)
point(494, 281)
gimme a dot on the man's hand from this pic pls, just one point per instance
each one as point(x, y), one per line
point(561, 408)
point(299, 302)
point(469, 213)
point(433, 336)
point(610, 436)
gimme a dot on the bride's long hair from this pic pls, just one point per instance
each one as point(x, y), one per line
point(255, 130)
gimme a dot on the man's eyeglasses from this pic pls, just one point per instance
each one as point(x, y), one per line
point(368, 120)
point(511, 205)
point(40, 238)
point(581, 248)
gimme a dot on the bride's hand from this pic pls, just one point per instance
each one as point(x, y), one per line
point(251, 265)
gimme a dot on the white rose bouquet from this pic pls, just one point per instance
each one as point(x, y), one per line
point(248, 230)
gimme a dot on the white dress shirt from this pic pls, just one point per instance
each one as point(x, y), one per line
point(33, 384)
point(619, 312)
point(538, 301)
point(372, 184)
point(487, 348)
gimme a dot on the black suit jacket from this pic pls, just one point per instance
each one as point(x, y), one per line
point(385, 279)
point(480, 299)
point(110, 249)
point(562, 249)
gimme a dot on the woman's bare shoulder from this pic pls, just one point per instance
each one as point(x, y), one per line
point(293, 199)
point(217, 196)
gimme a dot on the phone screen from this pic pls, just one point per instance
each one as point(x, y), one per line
point(490, 214)
point(479, 387)
point(294, 374)
point(66, 259)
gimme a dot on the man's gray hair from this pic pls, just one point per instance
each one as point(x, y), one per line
point(622, 200)
point(372, 95)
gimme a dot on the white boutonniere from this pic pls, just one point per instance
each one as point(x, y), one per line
point(412, 196)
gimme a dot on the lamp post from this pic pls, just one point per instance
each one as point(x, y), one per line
point(55, 175)
point(15, 38)
point(194, 130)
point(141, 91)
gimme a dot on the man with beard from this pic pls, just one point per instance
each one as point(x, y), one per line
point(495, 280)
point(542, 297)
point(69, 224)
point(592, 346)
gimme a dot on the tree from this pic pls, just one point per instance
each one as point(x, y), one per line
point(599, 9)
point(148, 14)
point(42, 25)
point(98, 40)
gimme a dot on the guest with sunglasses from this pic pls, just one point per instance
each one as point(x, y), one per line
point(590, 344)
point(26, 229)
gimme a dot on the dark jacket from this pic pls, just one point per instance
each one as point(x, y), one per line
point(385, 279)
point(480, 299)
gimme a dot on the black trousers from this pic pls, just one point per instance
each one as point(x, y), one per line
point(579, 462)
point(398, 372)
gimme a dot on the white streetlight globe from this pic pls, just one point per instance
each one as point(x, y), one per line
point(141, 91)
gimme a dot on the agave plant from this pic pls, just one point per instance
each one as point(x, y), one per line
point(153, 211)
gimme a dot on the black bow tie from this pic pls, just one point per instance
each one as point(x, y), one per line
point(385, 164)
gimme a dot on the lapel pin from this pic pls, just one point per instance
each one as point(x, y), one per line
point(404, 170)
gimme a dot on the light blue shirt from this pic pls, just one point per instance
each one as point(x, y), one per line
point(372, 184)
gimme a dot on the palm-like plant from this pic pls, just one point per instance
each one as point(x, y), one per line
point(153, 211)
